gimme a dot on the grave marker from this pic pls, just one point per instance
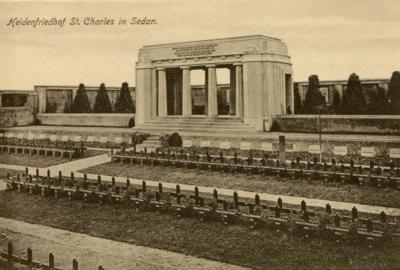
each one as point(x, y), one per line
point(53, 138)
point(340, 150)
point(245, 146)
point(205, 144)
point(368, 152)
point(103, 139)
point(314, 149)
point(187, 143)
point(394, 152)
point(265, 146)
point(225, 145)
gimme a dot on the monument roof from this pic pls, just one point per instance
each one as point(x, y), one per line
point(227, 39)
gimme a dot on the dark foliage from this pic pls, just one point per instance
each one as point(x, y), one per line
point(297, 102)
point(174, 140)
point(394, 93)
point(131, 122)
point(314, 99)
point(124, 103)
point(353, 101)
point(102, 103)
point(336, 102)
point(378, 102)
point(81, 102)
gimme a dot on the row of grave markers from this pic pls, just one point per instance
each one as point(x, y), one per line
point(64, 138)
point(313, 149)
point(244, 145)
point(11, 258)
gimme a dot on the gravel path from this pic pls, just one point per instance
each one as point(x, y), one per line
point(93, 251)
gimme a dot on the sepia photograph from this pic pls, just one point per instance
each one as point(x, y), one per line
point(199, 134)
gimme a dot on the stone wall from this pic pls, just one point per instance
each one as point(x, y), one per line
point(16, 116)
point(86, 119)
point(339, 124)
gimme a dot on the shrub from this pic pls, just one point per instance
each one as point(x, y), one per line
point(174, 140)
point(124, 103)
point(131, 122)
point(171, 140)
point(102, 103)
point(394, 93)
point(81, 102)
point(314, 98)
point(297, 102)
point(139, 137)
point(353, 100)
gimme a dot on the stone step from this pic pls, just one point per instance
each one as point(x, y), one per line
point(195, 125)
point(200, 129)
point(160, 130)
point(198, 119)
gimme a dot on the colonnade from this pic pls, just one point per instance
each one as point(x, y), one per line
point(236, 96)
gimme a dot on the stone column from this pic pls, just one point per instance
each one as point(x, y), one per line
point(232, 91)
point(162, 93)
point(212, 91)
point(186, 92)
point(1, 102)
point(153, 99)
point(239, 89)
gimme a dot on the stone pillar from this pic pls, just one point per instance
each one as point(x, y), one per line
point(143, 93)
point(153, 99)
point(212, 91)
point(239, 89)
point(186, 92)
point(162, 93)
point(232, 91)
point(1, 102)
point(41, 98)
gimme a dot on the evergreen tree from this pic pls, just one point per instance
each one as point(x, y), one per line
point(313, 98)
point(124, 103)
point(353, 101)
point(81, 102)
point(297, 102)
point(394, 93)
point(102, 103)
point(336, 102)
point(379, 102)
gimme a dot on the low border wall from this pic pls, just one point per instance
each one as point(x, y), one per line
point(16, 116)
point(86, 119)
point(340, 124)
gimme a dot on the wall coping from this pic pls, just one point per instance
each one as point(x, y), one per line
point(86, 114)
point(330, 116)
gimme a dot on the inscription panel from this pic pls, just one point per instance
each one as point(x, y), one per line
point(194, 50)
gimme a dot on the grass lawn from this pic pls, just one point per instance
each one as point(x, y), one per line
point(40, 161)
point(236, 244)
point(3, 173)
point(257, 183)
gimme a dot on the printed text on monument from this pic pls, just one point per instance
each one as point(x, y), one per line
point(195, 50)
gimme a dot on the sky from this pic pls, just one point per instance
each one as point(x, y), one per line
point(329, 38)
